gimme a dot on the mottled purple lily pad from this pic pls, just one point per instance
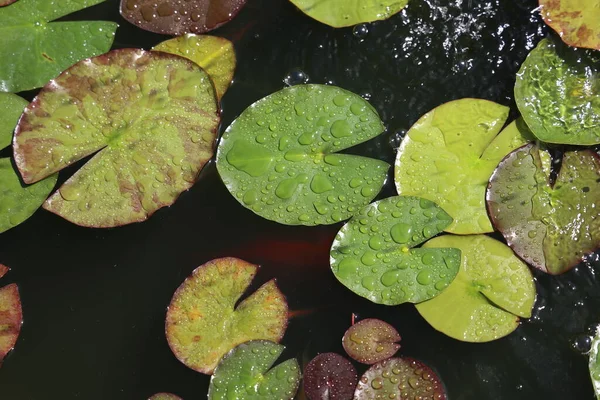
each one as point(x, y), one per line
point(575, 21)
point(371, 340)
point(164, 396)
point(6, 2)
point(11, 318)
point(329, 376)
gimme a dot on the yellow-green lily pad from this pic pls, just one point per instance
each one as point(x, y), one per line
point(575, 21)
point(11, 108)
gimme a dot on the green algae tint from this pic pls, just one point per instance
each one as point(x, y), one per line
point(558, 94)
point(449, 155)
point(551, 226)
point(370, 341)
point(207, 300)
point(216, 55)
point(11, 318)
point(594, 363)
point(491, 291)
point(149, 118)
point(342, 13)
point(164, 396)
point(247, 372)
point(329, 376)
point(374, 256)
point(34, 50)
point(279, 157)
point(575, 21)
point(11, 108)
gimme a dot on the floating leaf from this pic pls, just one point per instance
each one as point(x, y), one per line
point(11, 318)
point(341, 13)
point(558, 94)
point(576, 21)
point(3, 270)
point(150, 117)
point(374, 256)
point(176, 17)
point(279, 157)
point(400, 378)
point(11, 108)
point(492, 289)
point(34, 50)
point(6, 2)
point(216, 55)
point(329, 376)
point(449, 155)
point(207, 300)
point(164, 396)
point(594, 363)
point(551, 226)
point(370, 341)
point(242, 374)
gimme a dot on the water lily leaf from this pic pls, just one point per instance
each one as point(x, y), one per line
point(374, 256)
point(552, 227)
point(11, 318)
point(400, 378)
point(3, 270)
point(11, 108)
point(449, 155)
point(341, 13)
point(150, 117)
point(329, 376)
point(6, 2)
point(215, 54)
point(558, 94)
point(279, 157)
point(370, 341)
point(164, 396)
point(576, 21)
point(491, 291)
point(207, 299)
point(34, 50)
point(594, 363)
point(176, 17)
point(246, 373)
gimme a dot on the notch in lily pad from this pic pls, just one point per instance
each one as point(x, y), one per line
point(375, 253)
point(11, 318)
point(343, 13)
point(208, 299)
point(575, 21)
point(371, 340)
point(280, 157)
point(247, 372)
point(551, 225)
point(330, 376)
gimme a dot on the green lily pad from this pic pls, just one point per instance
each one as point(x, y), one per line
point(594, 363)
point(215, 54)
point(575, 21)
point(558, 94)
point(164, 396)
point(207, 300)
point(374, 256)
point(370, 341)
point(151, 120)
point(341, 13)
point(11, 318)
point(449, 155)
point(246, 373)
point(279, 157)
point(491, 291)
point(34, 50)
point(551, 226)
point(11, 108)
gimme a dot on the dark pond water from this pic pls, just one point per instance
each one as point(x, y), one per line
point(95, 300)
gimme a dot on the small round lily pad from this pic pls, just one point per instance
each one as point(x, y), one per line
point(279, 158)
point(575, 21)
point(329, 376)
point(11, 108)
point(246, 373)
point(400, 378)
point(552, 226)
point(164, 396)
point(203, 322)
point(449, 154)
point(11, 318)
point(491, 291)
point(374, 254)
point(558, 94)
point(342, 13)
point(370, 341)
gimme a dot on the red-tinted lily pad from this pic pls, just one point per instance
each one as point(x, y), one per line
point(6, 2)
point(329, 376)
point(164, 396)
point(150, 117)
point(176, 17)
point(11, 318)
point(400, 378)
point(203, 322)
point(3, 270)
point(576, 21)
point(371, 340)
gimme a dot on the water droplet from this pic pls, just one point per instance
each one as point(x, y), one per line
point(401, 233)
point(361, 31)
point(424, 277)
point(296, 77)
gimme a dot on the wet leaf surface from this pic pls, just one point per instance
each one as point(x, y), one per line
point(149, 119)
point(11, 318)
point(279, 158)
point(594, 363)
point(208, 299)
point(370, 341)
point(164, 396)
point(329, 376)
point(246, 373)
point(576, 21)
point(449, 155)
point(374, 254)
point(6, 2)
point(11, 108)
point(492, 290)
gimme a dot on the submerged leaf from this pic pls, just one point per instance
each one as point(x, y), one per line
point(449, 155)
point(374, 256)
point(594, 363)
point(329, 376)
point(279, 158)
point(164, 396)
point(341, 13)
point(491, 291)
point(34, 50)
point(203, 322)
point(11, 318)
point(11, 108)
point(576, 21)
point(246, 373)
point(150, 117)
point(370, 341)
